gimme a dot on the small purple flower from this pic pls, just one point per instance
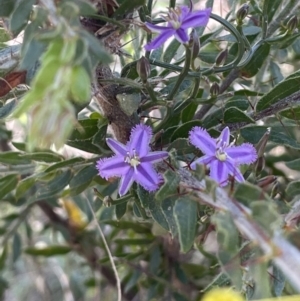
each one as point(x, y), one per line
point(133, 161)
point(179, 21)
point(222, 158)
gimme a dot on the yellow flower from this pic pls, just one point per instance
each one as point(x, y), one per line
point(222, 294)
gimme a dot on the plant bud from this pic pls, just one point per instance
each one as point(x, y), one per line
point(292, 23)
point(242, 13)
point(214, 89)
point(261, 145)
point(194, 44)
point(143, 68)
point(222, 57)
point(259, 165)
point(266, 181)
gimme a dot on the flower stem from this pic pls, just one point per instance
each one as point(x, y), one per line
point(150, 91)
point(183, 73)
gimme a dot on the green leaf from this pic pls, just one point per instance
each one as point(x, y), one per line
point(13, 158)
point(170, 185)
point(182, 146)
point(256, 61)
point(65, 163)
point(293, 189)
point(291, 113)
point(24, 185)
point(20, 16)
point(82, 136)
point(278, 280)
point(55, 186)
point(266, 215)
point(3, 257)
point(294, 164)
point(282, 90)
point(80, 88)
point(7, 108)
point(183, 130)
point(247, 193)
point(120, 210)
point(228, 241)
point(253, 134)
point(7, 6)
point(128, 6)
point(82, 179)
point(269, 8)
point(7, 184)
point(17, 245)
point(233, 114)
point(185, 211)
point(167, 206)
point(171, 51)
point(48, 251)
point(47, 157)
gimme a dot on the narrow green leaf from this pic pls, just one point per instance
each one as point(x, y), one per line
point(256, 61)
point(7, 184)
point(82, 179)
point(128, 6)
point(55, 186)
point(48, 251)
point(167, 206)
point(282, 90)
point(233, 114)
point(47, 157)
point(17, 245)
point(120, 210)
point(7, 108)
point(24, 185)
point(13, 158)
point(65, 163)
point(185, 212)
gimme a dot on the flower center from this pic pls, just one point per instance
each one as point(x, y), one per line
point(221, 155)
point(133, 160)
point(173, 17)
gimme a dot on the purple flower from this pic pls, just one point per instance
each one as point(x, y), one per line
point(222, 158)
point(133, 161)
point(179, 21)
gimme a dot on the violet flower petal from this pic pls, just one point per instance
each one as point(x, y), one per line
point(206, 159)
point(117, 147)
point(181, 35)
point(219, 172)
point(147, 177)
point(196, 19)
point(242, 154)
point(185, 11)
point(112, 167)
point(154, 156)
point(160, 39)
point(158, 28)
point(234, 171)
point(224, 137)
point(126, 182)
point(202, 140)
point(140, 139)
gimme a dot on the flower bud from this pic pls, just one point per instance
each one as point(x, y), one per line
point(292, 23)
point(261, 145)
point(222, 57)
point(194, 44)
point(259, 165)
point(214, 89)
point(242, 13)
point(143, 68)
point(266, 181)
